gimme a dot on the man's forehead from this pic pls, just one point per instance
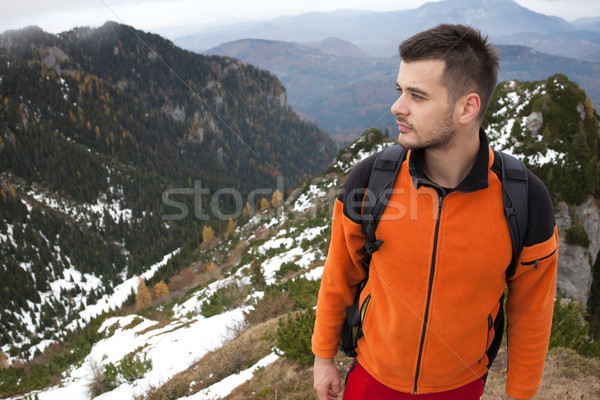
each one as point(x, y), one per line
point(426, 72)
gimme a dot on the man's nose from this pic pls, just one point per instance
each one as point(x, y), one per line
point(400, 107)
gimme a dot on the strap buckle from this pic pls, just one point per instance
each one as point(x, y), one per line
point(372, 247)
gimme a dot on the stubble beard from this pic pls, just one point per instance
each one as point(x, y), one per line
point(441, 136)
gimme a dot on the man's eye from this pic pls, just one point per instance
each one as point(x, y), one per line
point(417, 97)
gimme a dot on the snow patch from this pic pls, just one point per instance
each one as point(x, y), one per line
point(308, 198)
point(227, 385)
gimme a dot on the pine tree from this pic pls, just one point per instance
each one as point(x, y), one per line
point(160, 290)
point(211, 266)
point(142, 297)
point(276, 199)
point(208, 234)
point(589, 107)
point(231, 228)
point(264, 204)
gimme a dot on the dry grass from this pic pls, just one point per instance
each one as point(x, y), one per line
point(567, 376)
point(237, 354)
point(280, 380)
point(284, 380)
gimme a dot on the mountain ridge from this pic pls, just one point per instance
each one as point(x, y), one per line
point(98, 139)
point(346, 95)
point(496, 19)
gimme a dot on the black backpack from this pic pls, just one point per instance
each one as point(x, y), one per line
point(383, 175)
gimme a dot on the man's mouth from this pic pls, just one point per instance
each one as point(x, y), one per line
point(403, 127)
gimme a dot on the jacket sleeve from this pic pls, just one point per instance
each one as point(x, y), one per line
point(531, 292)
point(343, 268)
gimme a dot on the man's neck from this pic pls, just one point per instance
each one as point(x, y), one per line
point(448, 167)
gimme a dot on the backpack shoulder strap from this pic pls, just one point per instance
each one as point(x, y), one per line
point(515, 197)
point(383, 175)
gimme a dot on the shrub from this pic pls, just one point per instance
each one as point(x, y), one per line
point(286, 268)
point(294, 335)
point(257, 277)
point(27, 377)
point(132, 368)
point(273, 304)
point(225, 298)
point(578, 236)
point(129, 369)
point(571, 330)
point(303, 292)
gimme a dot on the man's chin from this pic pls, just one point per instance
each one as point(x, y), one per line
point(407, 144)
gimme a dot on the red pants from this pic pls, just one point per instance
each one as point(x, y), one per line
point(362, 386)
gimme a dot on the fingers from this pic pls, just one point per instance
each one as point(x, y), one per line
point(327, 394)
point(326, 379)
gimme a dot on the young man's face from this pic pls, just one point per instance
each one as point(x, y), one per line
point(424, 117)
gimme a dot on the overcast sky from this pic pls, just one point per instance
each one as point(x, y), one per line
point(155, 15)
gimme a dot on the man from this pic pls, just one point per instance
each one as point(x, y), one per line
point(435, 293)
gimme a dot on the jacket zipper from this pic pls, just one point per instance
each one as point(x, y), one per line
point(536, 262)
point(429, 289)
point(490, 323)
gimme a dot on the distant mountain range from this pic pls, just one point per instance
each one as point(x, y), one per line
point(378, 33)
point(323, 58)
point(580, 44)
point(345, 93)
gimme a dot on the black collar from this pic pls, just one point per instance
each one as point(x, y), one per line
point(477, 179)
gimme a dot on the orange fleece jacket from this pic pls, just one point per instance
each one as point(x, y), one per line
point(436, 283)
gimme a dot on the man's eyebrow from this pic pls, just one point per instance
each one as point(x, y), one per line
point(414, 90)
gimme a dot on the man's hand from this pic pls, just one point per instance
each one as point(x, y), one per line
point(327, 379)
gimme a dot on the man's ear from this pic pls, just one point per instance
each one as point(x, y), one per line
point(469, 104)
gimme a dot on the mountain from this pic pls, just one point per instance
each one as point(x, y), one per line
point(241, 328)
point(341, 93)
point(379, 33)
point(330, 86)
point(523, 63)
point(108, 138)
point(339, 47)
point(589, 23)
point(346, 95)
point(308, 27)
point(579, 44)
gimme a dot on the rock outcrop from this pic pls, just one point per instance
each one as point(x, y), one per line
point(574, 261)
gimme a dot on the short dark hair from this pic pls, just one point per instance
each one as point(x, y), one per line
point(471, 62)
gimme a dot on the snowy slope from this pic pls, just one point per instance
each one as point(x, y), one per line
point(296, 233)
point(516, 119)
point(76, 305)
